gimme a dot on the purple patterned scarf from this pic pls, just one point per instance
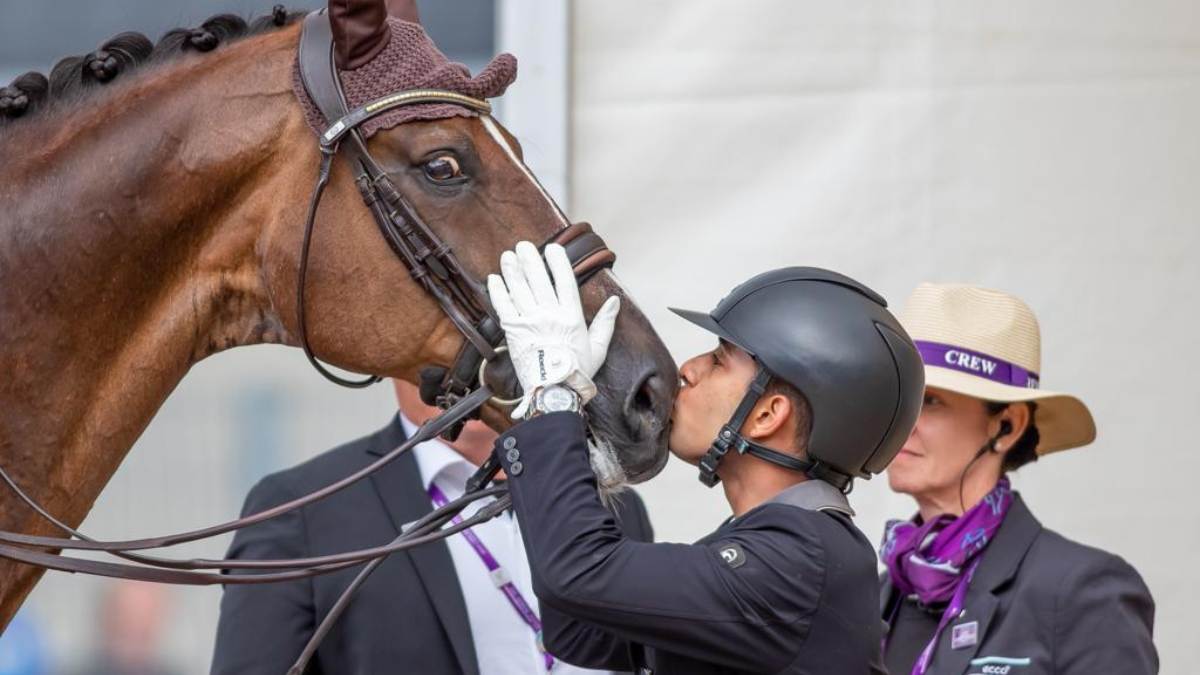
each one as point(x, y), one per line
point(928, 559)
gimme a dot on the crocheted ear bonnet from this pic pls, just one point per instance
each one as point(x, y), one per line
point(410, 61)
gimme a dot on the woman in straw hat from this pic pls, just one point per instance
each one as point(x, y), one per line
point(974, 583)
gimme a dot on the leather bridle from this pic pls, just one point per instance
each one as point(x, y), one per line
point(429, 259)
point(460, 393)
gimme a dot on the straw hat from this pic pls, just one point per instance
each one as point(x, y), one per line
point(987, 344)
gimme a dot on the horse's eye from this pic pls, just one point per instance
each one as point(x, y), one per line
point(442, 168)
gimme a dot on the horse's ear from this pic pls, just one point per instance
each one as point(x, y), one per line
point(405, 10)
point(360, 31)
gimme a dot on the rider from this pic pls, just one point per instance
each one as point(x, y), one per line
point(812, 384)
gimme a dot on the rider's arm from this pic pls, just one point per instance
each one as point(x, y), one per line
point(580, 643)
point(748, 609)
point(584, 644)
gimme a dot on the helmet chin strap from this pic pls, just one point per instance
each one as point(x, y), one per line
point(730, 437)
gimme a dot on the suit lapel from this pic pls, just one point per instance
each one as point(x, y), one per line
point(887, 595)
point(979, 608)
point(402, 492)
point(998, 566)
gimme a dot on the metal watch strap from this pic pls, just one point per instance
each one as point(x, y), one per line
point(536, 407)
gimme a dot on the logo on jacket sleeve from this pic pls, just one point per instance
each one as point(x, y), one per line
point(732, 555)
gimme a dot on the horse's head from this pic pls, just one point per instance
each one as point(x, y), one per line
point(465, 177)
point(152, 217)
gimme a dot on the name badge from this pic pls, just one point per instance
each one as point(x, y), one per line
point(964, 635)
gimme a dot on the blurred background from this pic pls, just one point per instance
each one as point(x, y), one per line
point(1046, 149)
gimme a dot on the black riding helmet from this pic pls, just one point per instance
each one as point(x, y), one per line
point(834, 340)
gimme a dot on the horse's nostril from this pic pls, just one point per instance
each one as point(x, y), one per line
point(643, 398)
point(638, 423)
point(648, 399)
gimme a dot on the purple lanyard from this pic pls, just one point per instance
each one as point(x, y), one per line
point(499, 577)
point(953, 610)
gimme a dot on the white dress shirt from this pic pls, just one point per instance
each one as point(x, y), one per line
point(504, 643)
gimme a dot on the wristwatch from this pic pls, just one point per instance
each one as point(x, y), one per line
point(554, 398)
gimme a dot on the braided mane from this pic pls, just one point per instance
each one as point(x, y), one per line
point(75, 79)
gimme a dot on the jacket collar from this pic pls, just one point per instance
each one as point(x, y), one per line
point(438, 461)
point(388, 438)
point(999, 564)
point(1003, 556)
point(814, 495)
point(404, 496)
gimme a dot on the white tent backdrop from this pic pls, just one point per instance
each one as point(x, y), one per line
point(1047, 149)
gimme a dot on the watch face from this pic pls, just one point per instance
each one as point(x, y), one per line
point(556, 399)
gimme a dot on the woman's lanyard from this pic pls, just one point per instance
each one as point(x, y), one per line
point(953, 611)
point(499, 576)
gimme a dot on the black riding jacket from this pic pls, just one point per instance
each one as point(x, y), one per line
point(782, 589)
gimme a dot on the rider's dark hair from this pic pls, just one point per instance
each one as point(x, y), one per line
point(75, 75)
point(1021, 453)
point(801, 409)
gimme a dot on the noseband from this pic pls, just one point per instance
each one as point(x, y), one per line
point(460, 393)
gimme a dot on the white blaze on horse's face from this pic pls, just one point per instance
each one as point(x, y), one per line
point(609, 474)
point(498, 136)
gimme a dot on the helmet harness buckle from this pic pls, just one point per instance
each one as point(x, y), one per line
point(730, 437)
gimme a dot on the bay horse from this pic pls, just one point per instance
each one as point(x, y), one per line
point(152, 201)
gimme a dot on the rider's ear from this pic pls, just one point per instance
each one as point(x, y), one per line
point(770, 416)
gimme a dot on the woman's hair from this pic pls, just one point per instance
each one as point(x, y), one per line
point(1020, 454)
point(1024, 450)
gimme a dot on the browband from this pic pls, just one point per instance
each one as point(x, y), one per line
point(353, 119)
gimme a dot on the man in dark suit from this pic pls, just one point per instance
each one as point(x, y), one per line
point(432, 609)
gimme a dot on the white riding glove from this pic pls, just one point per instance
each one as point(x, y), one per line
point(548, 339)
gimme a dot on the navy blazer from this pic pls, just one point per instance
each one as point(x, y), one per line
point(408, 617)
point(1044, 604)
point(781, 589)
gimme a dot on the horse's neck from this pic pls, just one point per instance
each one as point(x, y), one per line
point(127, 253)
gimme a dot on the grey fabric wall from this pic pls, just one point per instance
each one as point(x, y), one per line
point(34, 35)
point(1048, 149)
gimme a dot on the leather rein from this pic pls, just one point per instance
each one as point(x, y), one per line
point(460, 392)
